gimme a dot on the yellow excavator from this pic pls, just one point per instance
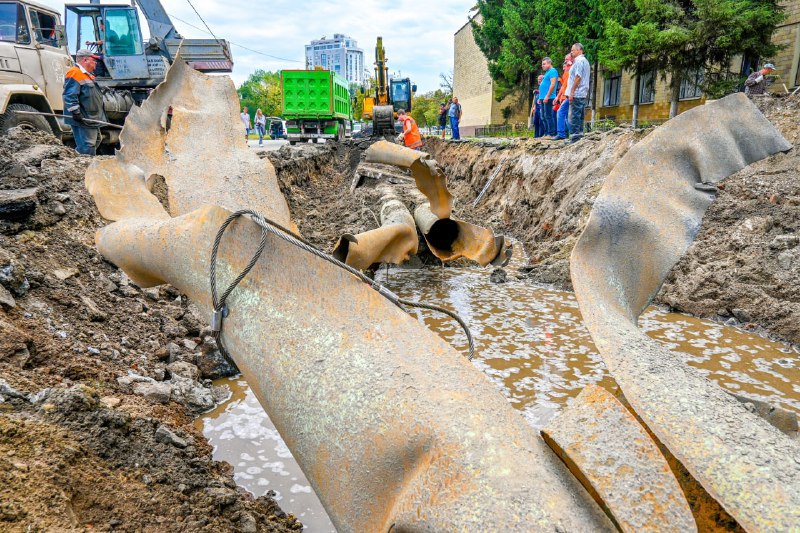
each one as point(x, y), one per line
point(389, 95)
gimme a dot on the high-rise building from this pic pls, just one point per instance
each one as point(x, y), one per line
point(340, 54)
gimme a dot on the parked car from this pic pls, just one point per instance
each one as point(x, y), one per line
point(276, 128)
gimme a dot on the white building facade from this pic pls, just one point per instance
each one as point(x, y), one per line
point(340, 54)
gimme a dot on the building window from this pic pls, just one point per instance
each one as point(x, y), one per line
point(323, 61)
point(647, 87)
point(612, 84)
point(691, 85)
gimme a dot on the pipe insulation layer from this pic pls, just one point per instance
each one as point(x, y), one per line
point(395, 241)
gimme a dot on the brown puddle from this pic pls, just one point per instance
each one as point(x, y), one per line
point(531, 342)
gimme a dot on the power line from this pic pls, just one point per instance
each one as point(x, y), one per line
point(202, 20)
point(233, 43)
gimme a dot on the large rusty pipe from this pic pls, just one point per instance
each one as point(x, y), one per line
point(393, 242)
point(450, 239)
point(391, 425)
point(427, 174)
point(393, 428)
point(645, 217)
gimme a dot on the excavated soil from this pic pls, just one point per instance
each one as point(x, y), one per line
point(744, 266)
point(99, 379)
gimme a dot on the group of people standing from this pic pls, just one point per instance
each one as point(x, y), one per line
point(450, 113)
point(559, 101)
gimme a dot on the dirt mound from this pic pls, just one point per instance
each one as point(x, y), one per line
point(99, 379)
point(744, 267)
point(541, 194)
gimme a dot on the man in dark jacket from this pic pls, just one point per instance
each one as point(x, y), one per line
point(756, 83)
point(84, 101)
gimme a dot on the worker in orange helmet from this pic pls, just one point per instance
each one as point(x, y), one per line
point(411, 136)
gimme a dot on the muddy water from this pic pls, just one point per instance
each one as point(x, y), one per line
point(531, 343)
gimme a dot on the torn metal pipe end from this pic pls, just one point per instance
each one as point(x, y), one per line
point(450, 239)
point(429, 177)
point(393, 242)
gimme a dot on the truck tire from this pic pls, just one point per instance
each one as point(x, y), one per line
point(10, 119)
point(292, 143)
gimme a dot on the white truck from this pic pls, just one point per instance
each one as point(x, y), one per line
point(35, 53)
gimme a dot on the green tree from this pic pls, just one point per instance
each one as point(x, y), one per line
point(262, 90)
point(425, 107)
point(678, 37)
point(511, 34)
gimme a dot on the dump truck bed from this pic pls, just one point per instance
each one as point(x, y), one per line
point(315, 94)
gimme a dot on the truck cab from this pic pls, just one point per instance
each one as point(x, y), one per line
point(33, 60)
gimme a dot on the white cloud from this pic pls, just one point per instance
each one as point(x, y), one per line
point(417, 34)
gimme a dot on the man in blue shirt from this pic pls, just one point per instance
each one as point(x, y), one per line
point(455, 117)
point(547, 93)
point(578, 91)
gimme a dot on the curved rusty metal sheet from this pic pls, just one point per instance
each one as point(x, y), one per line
point(427, 174)
point(606, 448)
point(392, 427)
point(202, 156)
point(395, 241)
point(450, 239)
point(644, 219)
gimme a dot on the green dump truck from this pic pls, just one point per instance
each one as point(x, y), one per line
point(316, 105)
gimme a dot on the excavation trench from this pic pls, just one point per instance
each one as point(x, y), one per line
point(531, 341)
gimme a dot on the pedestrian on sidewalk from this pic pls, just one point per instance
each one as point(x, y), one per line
point(547, 93)
point(245, 116)
point(562, 102)
point(756, 83)
point(260, 122)
point(411, 136)
point(579, 75)
point(455, 117)
point(84, 101)
point(443, 109)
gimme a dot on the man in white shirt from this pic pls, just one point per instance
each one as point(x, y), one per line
point(578, 93)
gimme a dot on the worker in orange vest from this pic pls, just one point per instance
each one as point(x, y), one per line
point(410, 136)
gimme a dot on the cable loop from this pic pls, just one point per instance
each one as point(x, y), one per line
point(268, 226)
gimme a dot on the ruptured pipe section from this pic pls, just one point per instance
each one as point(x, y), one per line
point(394, 429)
point(427, 174)
point(645, 217)
point(450, 239)
point(393, 242)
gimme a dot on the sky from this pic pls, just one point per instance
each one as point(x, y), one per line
point(417, 34)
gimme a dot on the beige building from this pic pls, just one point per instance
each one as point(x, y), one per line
point(615, 90)
point(474, 88)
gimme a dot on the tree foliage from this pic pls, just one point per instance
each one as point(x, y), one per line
point(673, 36)
point(425, 107)
point(681, 36)
point(262, 90)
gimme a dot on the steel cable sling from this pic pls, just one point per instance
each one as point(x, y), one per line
point(268, 226)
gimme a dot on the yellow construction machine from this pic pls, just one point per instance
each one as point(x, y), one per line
point(389, 95)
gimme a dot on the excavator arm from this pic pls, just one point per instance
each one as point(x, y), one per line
point(161, 26)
